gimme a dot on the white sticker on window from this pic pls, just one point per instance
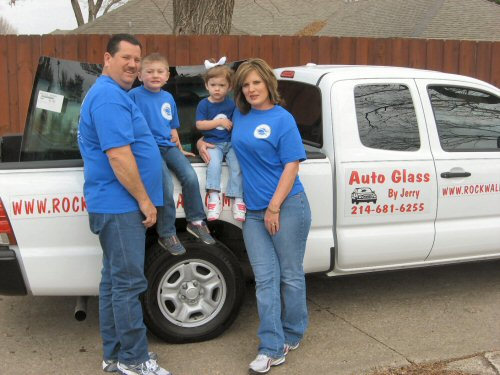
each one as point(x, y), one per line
point(50, 101)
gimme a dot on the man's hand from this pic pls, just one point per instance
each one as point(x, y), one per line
point(203, 147)
point(149, 211)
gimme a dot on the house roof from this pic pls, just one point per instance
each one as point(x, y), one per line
point(440, 19)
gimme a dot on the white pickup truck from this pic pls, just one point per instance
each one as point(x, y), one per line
point(403, 171)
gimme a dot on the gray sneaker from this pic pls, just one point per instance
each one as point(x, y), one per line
point(202, 232)
point(111, 365)
point(172, 245)
point(149, 367)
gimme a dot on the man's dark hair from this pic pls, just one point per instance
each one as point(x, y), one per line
point(113, 44)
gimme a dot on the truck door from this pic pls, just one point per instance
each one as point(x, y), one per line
point(385, 175)
point(464, 131)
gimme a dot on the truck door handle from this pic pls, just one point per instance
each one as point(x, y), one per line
point(455, 174)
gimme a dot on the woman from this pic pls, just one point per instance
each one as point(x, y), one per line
point(269, 148)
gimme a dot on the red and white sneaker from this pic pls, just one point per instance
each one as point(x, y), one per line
point(239, 211)
point(214, 210)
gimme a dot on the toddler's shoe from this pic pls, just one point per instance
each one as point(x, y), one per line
point(239, 211)
point(214, 210)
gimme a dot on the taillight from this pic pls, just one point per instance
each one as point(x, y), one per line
point(287, 74)
point(6, 233)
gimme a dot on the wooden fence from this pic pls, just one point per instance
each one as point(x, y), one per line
point(19, 57)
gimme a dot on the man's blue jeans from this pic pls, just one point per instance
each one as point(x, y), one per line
point(234, 187)
point(277, 263)
point(175, 161)
point(122, 238)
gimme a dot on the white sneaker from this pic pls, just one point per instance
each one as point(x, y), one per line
point(289, 347)
point(262, 363)
point(239, 211)
point(214, 210)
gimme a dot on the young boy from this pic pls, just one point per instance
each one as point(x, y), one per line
point(213, 119)
point(159, 109)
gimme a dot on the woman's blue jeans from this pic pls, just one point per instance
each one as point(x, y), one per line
point(179, 165)
point(234, 187)
point(122, 238)
point(277, 263)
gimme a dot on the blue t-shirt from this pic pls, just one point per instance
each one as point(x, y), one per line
point(207, 110)
point(264, 141)
point(160, 111)
point(110, 119)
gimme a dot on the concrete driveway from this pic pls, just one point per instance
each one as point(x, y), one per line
point(357, 323)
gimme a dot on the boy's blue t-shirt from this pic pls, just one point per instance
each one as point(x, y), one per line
point(110, 119)
point(264, 141)
point(160, 111)
point(207, 110)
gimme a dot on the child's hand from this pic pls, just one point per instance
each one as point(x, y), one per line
point(186, 153)
point(226, 123)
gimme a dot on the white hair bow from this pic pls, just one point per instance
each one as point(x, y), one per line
point(209, 64)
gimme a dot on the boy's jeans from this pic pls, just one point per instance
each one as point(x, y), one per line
point(214, 170)
point(122, 238)
point(180, 166)
point(279, 274)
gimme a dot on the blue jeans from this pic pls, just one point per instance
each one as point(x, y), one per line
point(277, 263)
point(122, 238)
point(175, 161)
point(214, 170)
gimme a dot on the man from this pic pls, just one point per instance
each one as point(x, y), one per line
point(123, 184)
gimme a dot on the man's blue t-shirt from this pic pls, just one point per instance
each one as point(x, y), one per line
point(110, 119)
point(264, 141)
point(207, 110)
point(160, 111)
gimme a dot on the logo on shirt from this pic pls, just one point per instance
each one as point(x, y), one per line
point(166, 111)
point(262, 131)
point(218, 117)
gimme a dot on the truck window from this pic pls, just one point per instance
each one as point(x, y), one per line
point(303, 101)
point(52, 121)
point(467, 119)
point(386, 117)
point(60, 87)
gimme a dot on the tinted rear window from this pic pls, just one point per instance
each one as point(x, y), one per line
point(303, 101)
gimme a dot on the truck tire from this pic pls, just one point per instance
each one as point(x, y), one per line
point(192, 297)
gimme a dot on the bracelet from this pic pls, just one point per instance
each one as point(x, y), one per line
point(273, 211)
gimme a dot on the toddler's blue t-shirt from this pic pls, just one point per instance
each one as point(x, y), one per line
point(207, 110)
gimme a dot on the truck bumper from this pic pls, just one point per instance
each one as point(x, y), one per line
point(11, 277)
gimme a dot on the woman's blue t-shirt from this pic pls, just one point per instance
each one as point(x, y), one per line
point(160, 111)
point(110, 119)
point(264, 141)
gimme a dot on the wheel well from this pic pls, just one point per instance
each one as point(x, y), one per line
point(229, 234)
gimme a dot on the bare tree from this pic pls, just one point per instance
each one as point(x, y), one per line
point(6, 27)
point(95, 8)
point(203, 17)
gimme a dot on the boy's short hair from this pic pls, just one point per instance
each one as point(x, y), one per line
point(219, 71)
point(155, 57)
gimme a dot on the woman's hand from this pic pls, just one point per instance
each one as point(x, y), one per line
point(203, 147)
point(272, 221)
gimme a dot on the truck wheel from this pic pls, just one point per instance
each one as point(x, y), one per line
point(193, 297)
